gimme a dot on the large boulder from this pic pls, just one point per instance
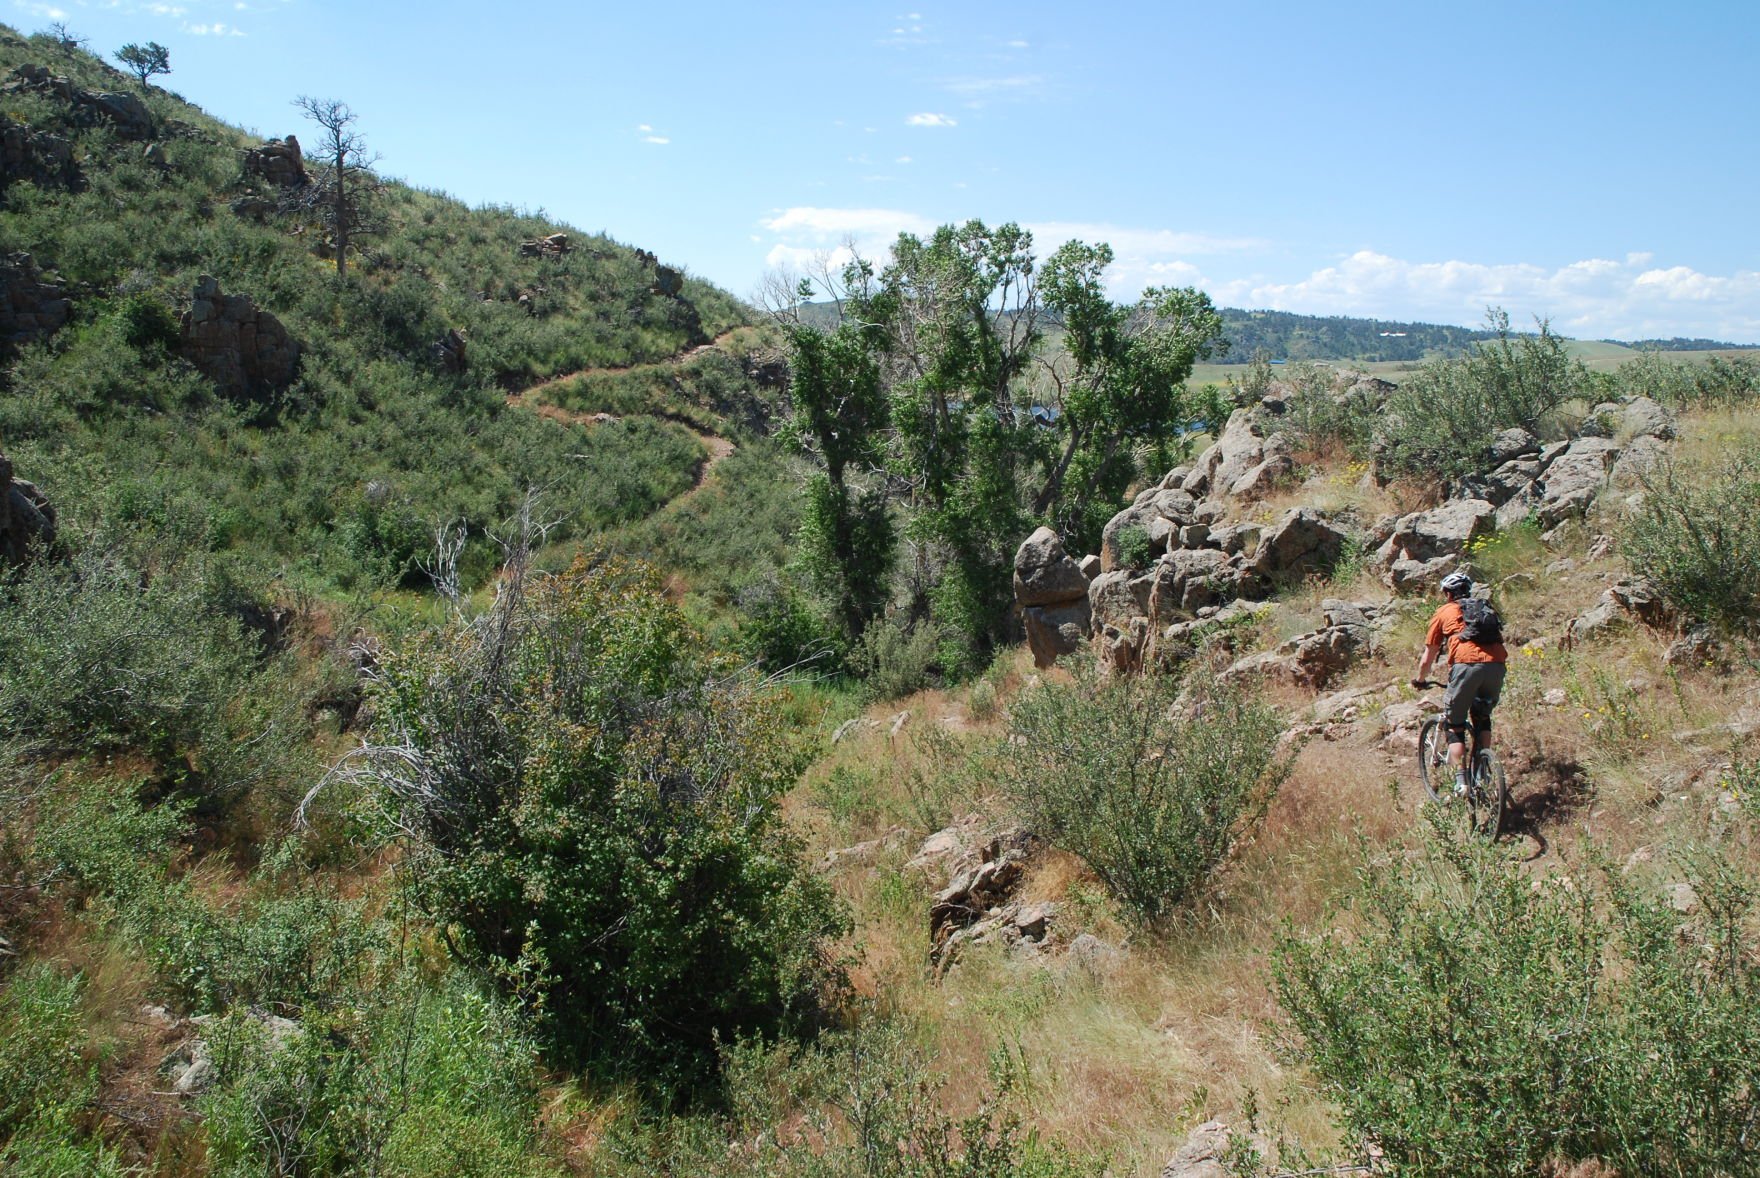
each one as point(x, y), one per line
point(1244, 462)
point(1641, 417)
point(1304, 541)
point(1052, 593)
point(1427, 544)
point(1118, 596)
point(27, 520)
point(1571, 481)
point(32, 306)
point(242, 349)
point(1160, 511)
point(1044, 574)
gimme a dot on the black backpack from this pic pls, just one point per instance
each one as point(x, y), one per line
point(1482, 625)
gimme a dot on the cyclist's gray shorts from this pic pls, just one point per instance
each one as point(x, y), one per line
point(1472, 688)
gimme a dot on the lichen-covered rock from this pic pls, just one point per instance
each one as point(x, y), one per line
point(1428, 544)
point(1304, 541)
point(1568, 486)
point(1244, 462)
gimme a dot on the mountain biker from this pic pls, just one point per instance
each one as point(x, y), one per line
point(1476, 659)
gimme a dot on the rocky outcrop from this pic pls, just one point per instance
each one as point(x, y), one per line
point(32, 306)
point(125, 112)
point(27, 521)
point(242, 349)
point(1051, 591)
point(1208, 1150)
point(1630, 599)
point(37, 157)
point(1426, 545)
point(978, 905)
point(553, 246)
point(1316, 658)
point(450, 353)
point(278, 163)
point(1305, 540)
point(1244, 462)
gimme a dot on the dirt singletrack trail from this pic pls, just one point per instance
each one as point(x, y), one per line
point(717, 448)
point(612, 369)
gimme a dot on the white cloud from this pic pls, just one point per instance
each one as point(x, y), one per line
point(1017, 44)
point(1595, 298)
point(981, 87)
point(643, 127)
point(167, 9)
point(659, 140)
point(822, 226)
point(903, 159)
point(931, 120)
point(46, 11)
point(808, 236)
point(216, 29)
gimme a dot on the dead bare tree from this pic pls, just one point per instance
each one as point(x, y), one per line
point(343, 195)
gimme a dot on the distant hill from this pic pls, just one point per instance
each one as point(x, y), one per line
point(1678, 344)
point(1283, 335)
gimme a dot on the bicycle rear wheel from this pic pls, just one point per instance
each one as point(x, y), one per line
point(1433, 760)
point(1488, 793)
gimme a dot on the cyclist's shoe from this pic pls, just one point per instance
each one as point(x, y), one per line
point(1460, 785)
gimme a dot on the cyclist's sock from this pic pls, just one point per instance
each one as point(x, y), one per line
point(1460, 781)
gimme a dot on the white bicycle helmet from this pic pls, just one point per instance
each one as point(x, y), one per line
point(1457, 584)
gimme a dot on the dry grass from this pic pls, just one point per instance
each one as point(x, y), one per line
point(1182, 1025)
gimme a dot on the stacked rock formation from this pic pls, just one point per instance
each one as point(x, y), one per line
point(242, 349)
point(31, 306)
point(27, 521)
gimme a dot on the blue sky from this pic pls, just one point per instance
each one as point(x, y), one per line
point(1593, 163)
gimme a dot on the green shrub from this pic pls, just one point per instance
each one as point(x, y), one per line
point(1149, 780)
point(1134, 549)
point(1321, 412)
point(1720, 382)
point(42, 1036)
point(414, 1080)
point(1442, 421)
point(92, 657)
point(1480, 1021)
point(1697, 535)
point(869, 1104)
point(590, 799)
point(783, 633)
point(894, 660)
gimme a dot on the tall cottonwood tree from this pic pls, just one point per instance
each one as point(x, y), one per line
point(342, 197)
point(986, 431)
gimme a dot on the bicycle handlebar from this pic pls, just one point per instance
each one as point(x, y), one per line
point(1422, 684)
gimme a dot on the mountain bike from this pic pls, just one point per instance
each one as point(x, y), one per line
point(1487, 787)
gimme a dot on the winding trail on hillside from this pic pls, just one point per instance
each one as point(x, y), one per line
point(716, 448)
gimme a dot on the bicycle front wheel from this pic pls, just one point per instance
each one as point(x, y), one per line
point(1433, 759)
point(1488, 794)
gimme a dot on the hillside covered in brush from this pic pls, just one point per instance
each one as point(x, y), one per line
point(476, 701)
